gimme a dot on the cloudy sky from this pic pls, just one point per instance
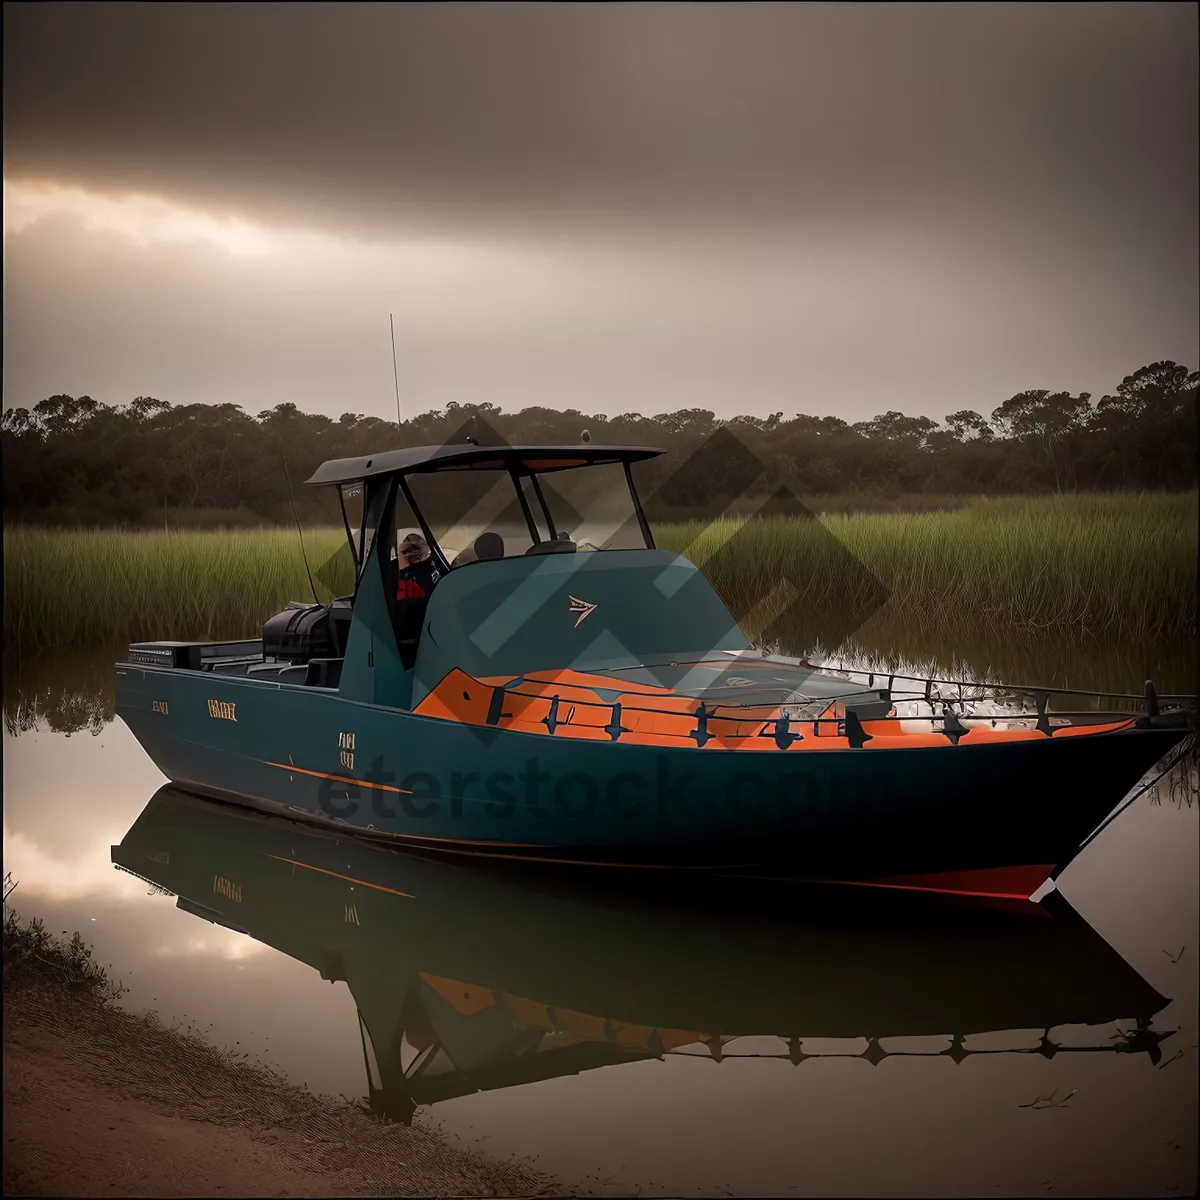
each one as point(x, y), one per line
point(639, 207)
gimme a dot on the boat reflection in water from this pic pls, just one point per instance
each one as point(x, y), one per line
point(467, 980)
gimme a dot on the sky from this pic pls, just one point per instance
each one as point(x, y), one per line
point(832, 209)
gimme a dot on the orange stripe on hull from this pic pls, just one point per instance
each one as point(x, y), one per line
point(448, 843)
point(380, 787)
point(349, 878)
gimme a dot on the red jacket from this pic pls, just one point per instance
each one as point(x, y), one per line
point(416, 581)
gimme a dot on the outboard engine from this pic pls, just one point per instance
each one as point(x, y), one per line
point(303, 632)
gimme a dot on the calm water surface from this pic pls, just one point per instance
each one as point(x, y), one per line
point(712, 1043)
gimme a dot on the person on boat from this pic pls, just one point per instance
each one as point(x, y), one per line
point(418, 572)
point(417, 578)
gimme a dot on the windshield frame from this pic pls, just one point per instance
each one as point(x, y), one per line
point(517, 474)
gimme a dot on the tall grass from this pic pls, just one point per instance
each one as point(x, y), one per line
point(90, 587)
point(1120, 566)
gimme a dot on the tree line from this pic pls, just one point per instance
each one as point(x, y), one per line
point(75, 461)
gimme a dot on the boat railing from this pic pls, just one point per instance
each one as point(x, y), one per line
point(156, 889)
point(930, 688)
point(777, 720)
point(1139, 1040)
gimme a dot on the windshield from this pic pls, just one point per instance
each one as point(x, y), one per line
point(458, 506)
point(594, 506)
point(590, 508)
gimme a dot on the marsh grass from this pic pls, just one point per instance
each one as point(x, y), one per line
point(1112, 565)
point(91, 587)
point(1109, 566)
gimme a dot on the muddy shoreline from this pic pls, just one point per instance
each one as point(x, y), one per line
point(99, 1101)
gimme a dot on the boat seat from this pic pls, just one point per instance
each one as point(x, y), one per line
point(488, 545)
point(231, 668)
point(266, 670)
point(298, 674)
point(323, 672)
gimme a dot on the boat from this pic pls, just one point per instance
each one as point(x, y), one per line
point(569, 693)
point(469, 977)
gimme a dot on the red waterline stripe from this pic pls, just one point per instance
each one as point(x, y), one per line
point(941, 891)
point(1027, 878)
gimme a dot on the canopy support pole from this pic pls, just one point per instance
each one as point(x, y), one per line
point(637, 507)
point(346, 523)
point(537, 491)
point(529, 521)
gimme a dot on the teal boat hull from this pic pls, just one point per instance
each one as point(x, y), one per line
point(836, 814)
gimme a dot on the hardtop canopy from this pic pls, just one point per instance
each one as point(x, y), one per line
point(531, 460)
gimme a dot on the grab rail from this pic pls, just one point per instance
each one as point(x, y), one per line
point(785, 723)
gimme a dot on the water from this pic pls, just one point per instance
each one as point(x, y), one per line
point(845, 991)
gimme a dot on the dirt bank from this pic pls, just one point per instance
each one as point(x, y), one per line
point(102, 1102)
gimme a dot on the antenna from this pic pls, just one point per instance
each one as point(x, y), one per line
point(303, 552)
point(395, 372)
